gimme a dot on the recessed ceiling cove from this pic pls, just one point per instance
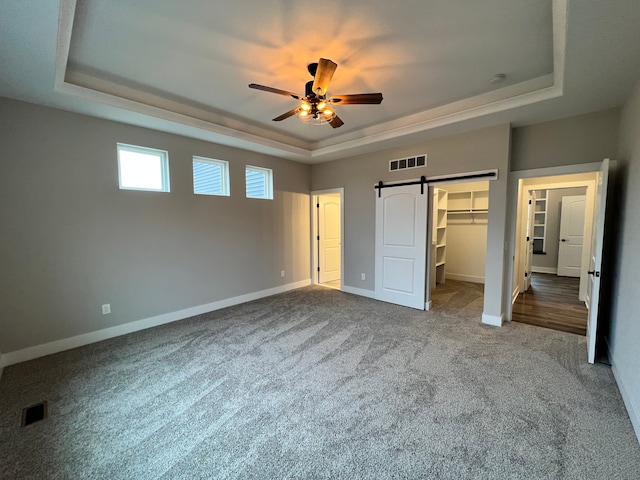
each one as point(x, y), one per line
point(191, 63)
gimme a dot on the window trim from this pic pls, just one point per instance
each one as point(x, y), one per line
point(223, 164)
point(268, 181)
point(164, 166)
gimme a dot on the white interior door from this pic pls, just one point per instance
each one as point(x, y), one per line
point(595, 263)
point(329, 248)
point(572, 216)
point(401, 244)
point(528, 267)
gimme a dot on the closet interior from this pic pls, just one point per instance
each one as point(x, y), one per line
point(459, 232)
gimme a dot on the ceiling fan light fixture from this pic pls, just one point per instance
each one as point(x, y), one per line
point(315, 116)
point(315, 107)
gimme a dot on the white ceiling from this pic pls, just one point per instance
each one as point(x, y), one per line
point(184, 67)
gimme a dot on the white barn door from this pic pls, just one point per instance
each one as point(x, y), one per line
point(401, 245)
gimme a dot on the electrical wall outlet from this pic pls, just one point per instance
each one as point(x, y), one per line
point(282, 273)
point(106, 309)
point(362, 276)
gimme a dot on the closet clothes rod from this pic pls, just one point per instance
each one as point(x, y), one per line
point(489, 175)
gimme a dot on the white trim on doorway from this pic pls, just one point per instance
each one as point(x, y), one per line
point(314, 233)
point(512, 213)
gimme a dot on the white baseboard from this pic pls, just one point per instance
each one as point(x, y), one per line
point(37, 351)
point(492, 320)
point(464, 278)
point(552, 270)
point(358, 291)
point(632, 409)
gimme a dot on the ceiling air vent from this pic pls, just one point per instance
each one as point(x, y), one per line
point(411, 162)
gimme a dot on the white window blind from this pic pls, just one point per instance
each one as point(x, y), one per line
point(259, 182)
point(210, 177)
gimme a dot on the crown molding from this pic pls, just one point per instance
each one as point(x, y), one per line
point(216, 127)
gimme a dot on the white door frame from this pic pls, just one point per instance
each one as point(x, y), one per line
point(590, 186)
point(515, 193)
point(315, 233)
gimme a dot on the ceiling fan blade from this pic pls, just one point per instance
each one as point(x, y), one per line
point(286, 115)
point(357, 99)
point(323, 77)
point(275, 90)
point(335, 122)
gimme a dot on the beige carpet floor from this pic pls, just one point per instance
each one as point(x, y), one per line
point(317, 383)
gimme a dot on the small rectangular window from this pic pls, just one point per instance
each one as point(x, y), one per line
point(259, 182)
point(141, 168)
point(210, 177)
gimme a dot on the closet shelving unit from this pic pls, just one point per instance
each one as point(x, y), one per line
point(440, 205)
point(540, 222)
point(469, 205)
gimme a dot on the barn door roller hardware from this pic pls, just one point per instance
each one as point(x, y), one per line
point(486, 175)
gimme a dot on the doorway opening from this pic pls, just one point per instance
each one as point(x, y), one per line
point(554, 226)
point(458, 232)
point(327, 238)
point(596, 178)
point(403, 237)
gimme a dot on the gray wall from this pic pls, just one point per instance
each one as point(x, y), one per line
point(582, 139)
point(72, 240)
point(552, 232)
point(624, 335)
point(473, 151)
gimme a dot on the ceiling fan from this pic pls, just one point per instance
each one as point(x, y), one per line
point(314, 106)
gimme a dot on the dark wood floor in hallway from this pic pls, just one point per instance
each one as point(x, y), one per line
point(552, 302)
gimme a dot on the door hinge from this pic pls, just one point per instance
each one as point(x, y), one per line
point(317, 205)
point(529, 201)
point(318, 238)
point(527, 239)
point(526, 274)
point(318, 269)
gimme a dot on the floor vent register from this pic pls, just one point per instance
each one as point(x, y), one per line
point(34, 413)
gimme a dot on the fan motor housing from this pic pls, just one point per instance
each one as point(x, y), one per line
point(308, 89)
